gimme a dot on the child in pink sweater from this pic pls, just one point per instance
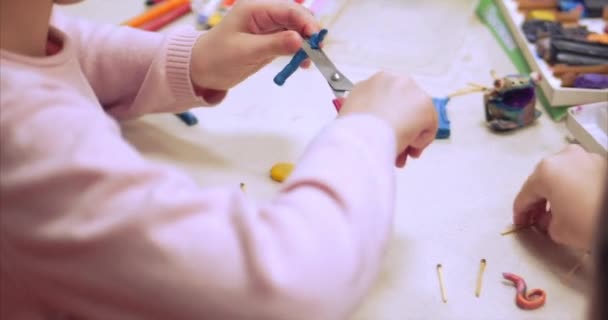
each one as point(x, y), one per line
point(91, 230)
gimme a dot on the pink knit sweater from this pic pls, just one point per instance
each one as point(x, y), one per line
point(92, 230)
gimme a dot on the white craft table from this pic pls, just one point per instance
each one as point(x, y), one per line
point(452, 204)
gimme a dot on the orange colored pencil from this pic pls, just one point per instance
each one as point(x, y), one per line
point(169, 17)
point(155, 12)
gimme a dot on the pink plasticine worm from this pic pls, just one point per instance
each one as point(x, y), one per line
point(528, 300)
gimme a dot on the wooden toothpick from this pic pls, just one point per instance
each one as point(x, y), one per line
point(477, 85)
point(472, 88)
point(514, 229)
point(441, 286)
point(482, 268)
point(465, 91)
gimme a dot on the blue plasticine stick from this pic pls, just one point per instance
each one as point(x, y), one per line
point(293, 65)
point(290, 68)
point(316, 39)
point(188, 118)
point(444, 123)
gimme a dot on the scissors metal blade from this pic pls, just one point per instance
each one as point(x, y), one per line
point(335, 78)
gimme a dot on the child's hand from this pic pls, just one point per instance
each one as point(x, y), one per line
point(400, 102)
point(253, 34)
point(572, 182)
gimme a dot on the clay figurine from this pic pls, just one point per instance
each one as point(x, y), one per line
point(510, 104)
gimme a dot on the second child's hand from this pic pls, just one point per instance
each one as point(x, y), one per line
point(572, 183)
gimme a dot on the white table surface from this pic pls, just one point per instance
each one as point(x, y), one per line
point(452, 204)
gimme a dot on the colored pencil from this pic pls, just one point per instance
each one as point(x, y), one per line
point(162, 21)
point(153, 2)
point(155, 12)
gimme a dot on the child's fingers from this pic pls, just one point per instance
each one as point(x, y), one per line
point(539, 216)
point(409, 151)
point(565, 233)
point(263, 47)
point(423, 140)
point(531, 194)
point(271, 16)
point(306, 64)
point(427, 136)
point(543, 220)
point(415, 152)
point(401, 159)
point(558, 232)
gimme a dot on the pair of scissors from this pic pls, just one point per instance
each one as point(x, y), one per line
point(337, 81)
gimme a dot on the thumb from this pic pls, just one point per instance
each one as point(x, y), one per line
point(423, 140)
point(268, 46)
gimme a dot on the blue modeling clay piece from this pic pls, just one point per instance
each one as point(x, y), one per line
point(444, 123)
point(188, 118)
point(316, 39)
point(293, 65)
point(290, 68)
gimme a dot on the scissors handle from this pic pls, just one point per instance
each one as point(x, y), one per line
point(338, 102)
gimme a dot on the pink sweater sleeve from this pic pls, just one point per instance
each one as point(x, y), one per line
point(91, 228)
point(134, 72)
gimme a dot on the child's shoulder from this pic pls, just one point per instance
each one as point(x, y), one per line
point(27, 90)
point(16, 80)
point(38, 107)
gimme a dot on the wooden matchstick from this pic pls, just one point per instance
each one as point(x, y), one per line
point(441, 286)
point(482, 268)
point(465, 91)
point(477, 85)
point(515, 229)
